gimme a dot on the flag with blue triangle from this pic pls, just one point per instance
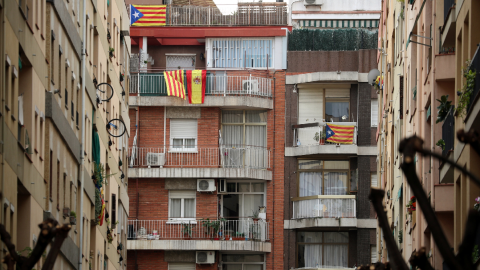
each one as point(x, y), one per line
point(148, 15)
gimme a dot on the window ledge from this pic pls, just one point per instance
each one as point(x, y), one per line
point(182, 221)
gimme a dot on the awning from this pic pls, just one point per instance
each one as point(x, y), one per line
point(414, 25)
point(96, 148)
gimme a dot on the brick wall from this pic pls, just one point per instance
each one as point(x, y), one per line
point(155, 260)
point(364, 114)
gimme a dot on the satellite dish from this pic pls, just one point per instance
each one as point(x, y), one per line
point(372, 76)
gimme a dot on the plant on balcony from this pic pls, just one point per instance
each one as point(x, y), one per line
point(320, 137)
point(412, 205)
point(73, 218)
point(466, 92)
point(255, 216)
point(476, 206)
point(443, 108)
point(110, 52)
point(441, 144)
point(475, 254)
point(187, 230)
point(400, 236)
point(109, 236)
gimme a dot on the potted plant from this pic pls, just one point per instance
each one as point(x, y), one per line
point(110, 52)
point(239, 236)
point(255, 216)
point(441, 143)
point(73, 218)
point(320, 137)
point(66, 212)
point(443, 108)
point(121, 77)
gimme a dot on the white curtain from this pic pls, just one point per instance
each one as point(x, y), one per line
point(335, 183)
point(313, 256)
point(335, 255)
point(189, 211)
point(256, 155)
point(251, 204)
point(310, 184)
point(175, 208)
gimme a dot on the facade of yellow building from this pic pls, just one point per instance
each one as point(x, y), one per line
point(52, 51)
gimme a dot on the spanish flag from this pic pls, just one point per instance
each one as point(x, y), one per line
point(340, 133)
point(174, 82)
point(148, 15)
point(196, 81)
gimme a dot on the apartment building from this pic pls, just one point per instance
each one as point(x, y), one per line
point(54, 126)
point(206, 180)
point(421, 65)
point(328, 219)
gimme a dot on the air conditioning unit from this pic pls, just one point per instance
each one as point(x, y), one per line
point(156, 159)
point(206, 185)
point(205, 257)
point(222, 186)
point(251, 86)
point(313, 2)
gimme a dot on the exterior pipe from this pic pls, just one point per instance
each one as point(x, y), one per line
point(82, 145)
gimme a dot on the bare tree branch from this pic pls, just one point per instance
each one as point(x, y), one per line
point(7, 239)
point(48, 230)
point(62, 233)
point(471, 137)
point(419, 259)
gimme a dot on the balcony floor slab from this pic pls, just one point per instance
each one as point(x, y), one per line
point(329, 222)
point(330, 150)
point(199, 245)
point(210, 101)
point(200, 173)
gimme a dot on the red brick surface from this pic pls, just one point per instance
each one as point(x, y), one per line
point(155, 260)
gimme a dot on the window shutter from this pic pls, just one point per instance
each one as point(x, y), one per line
point(310, 110)
point(374, 115)
point(183, 128)
point(114, 210)
point(66, 97)
point(181, 266)
point(182, 194)
point(337, 93)
point(374, 181)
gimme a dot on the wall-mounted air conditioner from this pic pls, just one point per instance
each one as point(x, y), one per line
point(251, 86)
point(205, 257)
point(155, 159)
point(313, 2)
point(206, 185)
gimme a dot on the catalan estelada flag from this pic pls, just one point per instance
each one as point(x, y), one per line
point(340, 133)
point(148, 15)
point(175, 83)
point(196, 81)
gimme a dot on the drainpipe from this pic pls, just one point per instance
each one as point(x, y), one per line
point(82, 145)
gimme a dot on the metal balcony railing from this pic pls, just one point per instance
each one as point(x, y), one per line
point(246, 14)
point(153, 84)
point(325, 206)
point(183, 229)
point(315, 133)
point(225, 156)
point(448, 132)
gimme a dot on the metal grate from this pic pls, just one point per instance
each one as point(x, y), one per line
point(180, 62)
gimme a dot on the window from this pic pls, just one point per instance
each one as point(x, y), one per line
point(183, 135)
point(374, 112)
point(373, 256)
point(244, 139)
point(50, 192)
point(242, 199)
point(114, 210)
point(243, 261)
point(181, 205)
point(52, 59)
point(240, 53)
point(323, 177)
point(322, 249)
point(337, 103)
point(373, 179)
point(181, 266)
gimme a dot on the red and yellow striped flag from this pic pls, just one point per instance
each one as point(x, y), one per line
point(196, 81)
point(174, 82)
point(340, 133)
point(148, 15)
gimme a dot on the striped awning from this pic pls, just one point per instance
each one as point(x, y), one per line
point(339, 23)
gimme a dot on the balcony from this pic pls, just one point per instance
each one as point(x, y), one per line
point(309, 139)
point(326, 211)
point(448, 133)
point(449, 25)
point(149, 89)
point(200, 161)
point(246, 14)
point(244, 234)
point(473, 109)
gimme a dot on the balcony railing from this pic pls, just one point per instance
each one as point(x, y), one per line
point(246, 14)
point(448, 133)
point(241, 229)
point(325, 206)
point(240, 156)
point(315, 133)
point(153, 84)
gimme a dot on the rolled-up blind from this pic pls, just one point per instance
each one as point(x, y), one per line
point(183, 128)
point(181, 266)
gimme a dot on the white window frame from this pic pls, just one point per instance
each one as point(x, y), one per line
point(210, 60)
point(173, 194)
point(374, 105)
point(243, 263)
point(183, 149)
point(264, 193)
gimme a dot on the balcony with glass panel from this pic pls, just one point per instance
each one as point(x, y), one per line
point(326, 191)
